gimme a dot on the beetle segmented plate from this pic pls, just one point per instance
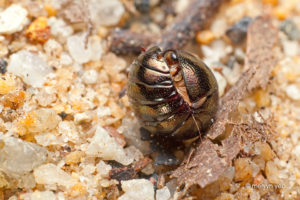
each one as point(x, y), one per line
point(173, 93)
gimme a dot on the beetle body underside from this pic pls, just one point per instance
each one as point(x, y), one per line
point(177, 103)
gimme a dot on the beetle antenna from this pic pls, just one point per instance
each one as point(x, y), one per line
point(196, 125)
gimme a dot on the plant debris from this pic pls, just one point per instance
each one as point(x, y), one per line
point(260, 60)
point(127, 173)
point(124, 41)
point(185, 26)
point(176, 36)
point(210, 160)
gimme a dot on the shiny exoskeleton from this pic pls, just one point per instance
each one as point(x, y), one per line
point(173, 93)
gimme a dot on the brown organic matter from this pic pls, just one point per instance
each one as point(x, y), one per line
point(210, 160)
point(173, 93)
point(127, 173)
point(194, 18)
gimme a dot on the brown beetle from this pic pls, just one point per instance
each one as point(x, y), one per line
point(173, 93)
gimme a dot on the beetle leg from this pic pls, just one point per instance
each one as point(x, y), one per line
point(197, 126)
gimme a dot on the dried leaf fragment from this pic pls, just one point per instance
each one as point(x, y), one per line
point(210, 160)
point(127, 173)
point(260, 60)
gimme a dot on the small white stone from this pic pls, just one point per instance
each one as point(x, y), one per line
point(163, 194)
point(104, 146)
point(60, 196)
point(222, 83)
point(65, 59)
point(130, 129)
point(13, 198)
point(114, 64)
point(215, 52)
point(236, 12)
point(229, 173)
point(39, 195)
point(46, 95)
point(57, 4)
point(296, 150)
point(255, 169)
point(103, 169)
point(60, 29)
point(91, 95)
point(295, 137)
point(232, 75)
point(13, 19)
point(77, 49)
point(46, 119)
point(51, 174)
point(88, 169)
point(95, 46)
point(106, 13)
point(254, 195)
point(154, 3)
point(68, 131)
point(106, 183)
point(18, 157)
point(103, 111)
point(46, 139)
point(148, 170)
point(293, 92)
point(134, 153)
point(32, 68)
point(82, 117)
point(77, 67)
point(137, 189)
point(26, 181)
point(53, 48)
point(181, 5)
point(219, 27)
point(90, 76)
point(158, 15)
point(82, 53)
point(291, 48)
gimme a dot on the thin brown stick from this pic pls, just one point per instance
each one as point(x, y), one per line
point(130, 172)
point(88, 21)
point(124, 41)
point(192, 19)
point(175, 36)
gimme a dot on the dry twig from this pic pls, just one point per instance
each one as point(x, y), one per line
point(175, 36)
point(127, 173)
point(210, 160)
point(124, 41)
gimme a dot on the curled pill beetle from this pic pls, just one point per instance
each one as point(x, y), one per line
point(173, 94)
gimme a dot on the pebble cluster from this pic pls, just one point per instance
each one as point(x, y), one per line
point(64, 124)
